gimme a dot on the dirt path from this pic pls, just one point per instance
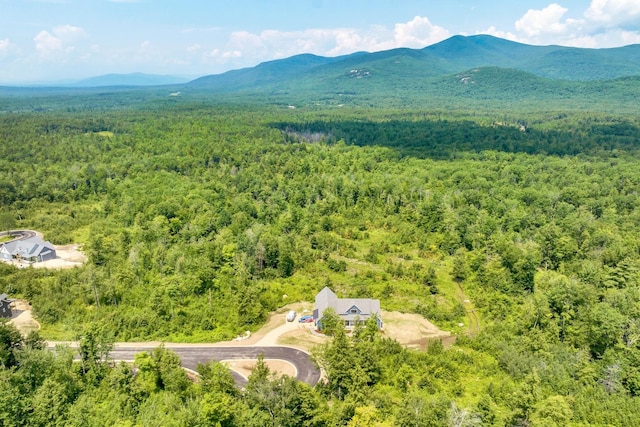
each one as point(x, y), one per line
point(473, 322)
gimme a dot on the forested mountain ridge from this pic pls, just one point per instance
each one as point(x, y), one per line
point(454, 55)
point(461, 72)
point(264, 73)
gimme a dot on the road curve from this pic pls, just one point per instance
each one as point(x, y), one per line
point(19, 234)
point(192, 354)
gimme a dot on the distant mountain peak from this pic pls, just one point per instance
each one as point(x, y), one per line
point(503, 65)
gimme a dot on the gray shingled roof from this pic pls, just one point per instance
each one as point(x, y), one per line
point(27, 248)
point(326, 298)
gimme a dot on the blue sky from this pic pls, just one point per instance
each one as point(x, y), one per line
point(49, 40)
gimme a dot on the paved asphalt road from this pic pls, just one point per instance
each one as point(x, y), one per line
point(192, 355)
point(19, 234)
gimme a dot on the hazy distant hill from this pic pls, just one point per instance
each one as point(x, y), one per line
point(133, 79)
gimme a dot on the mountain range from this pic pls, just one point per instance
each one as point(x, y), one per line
point(456, 54)
point(462, 71)
point(473, 67)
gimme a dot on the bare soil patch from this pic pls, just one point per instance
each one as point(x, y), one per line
point(410, 330)
point(413, 330)
point(22, 318)
point(69, 256)
point(278, 367)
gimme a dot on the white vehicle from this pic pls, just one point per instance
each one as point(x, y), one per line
point(291, 316)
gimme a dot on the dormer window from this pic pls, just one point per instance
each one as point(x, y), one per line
point(354, 310)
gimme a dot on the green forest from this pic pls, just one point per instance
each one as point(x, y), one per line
point(518, 233)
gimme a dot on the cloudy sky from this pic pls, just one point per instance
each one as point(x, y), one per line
point(49, 40)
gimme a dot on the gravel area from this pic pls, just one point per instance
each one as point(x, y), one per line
point(22, 318)
point(69, 256)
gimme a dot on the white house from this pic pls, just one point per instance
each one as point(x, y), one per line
point(350, 310)
point(33, 249)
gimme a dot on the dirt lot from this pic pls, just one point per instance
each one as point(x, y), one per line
point(22, 318)
point(244, 367)
point(410, 330)
point(69, 256)
point(413, 330)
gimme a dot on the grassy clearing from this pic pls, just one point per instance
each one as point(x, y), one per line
point(105, 133)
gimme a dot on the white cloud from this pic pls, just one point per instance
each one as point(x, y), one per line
point(272, 44)
point(232, 54)
point(419, 32)
point(249, 40)
point(68, 32)
point(547, 20)
point(610, 38)
point(613, 12)
point(601, 25)
point(7, 49)
point(47, 44)
point(4, 45)
point(492, 31)
point(629, 37)
point(60, 40)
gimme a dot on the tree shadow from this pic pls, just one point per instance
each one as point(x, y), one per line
point(446, 139)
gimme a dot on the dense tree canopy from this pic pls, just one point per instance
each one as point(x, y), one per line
point(197, 220)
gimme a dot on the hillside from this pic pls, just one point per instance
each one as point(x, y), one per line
point(456, 54)
point(511, 71)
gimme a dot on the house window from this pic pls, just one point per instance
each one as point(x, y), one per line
point(353, 311)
